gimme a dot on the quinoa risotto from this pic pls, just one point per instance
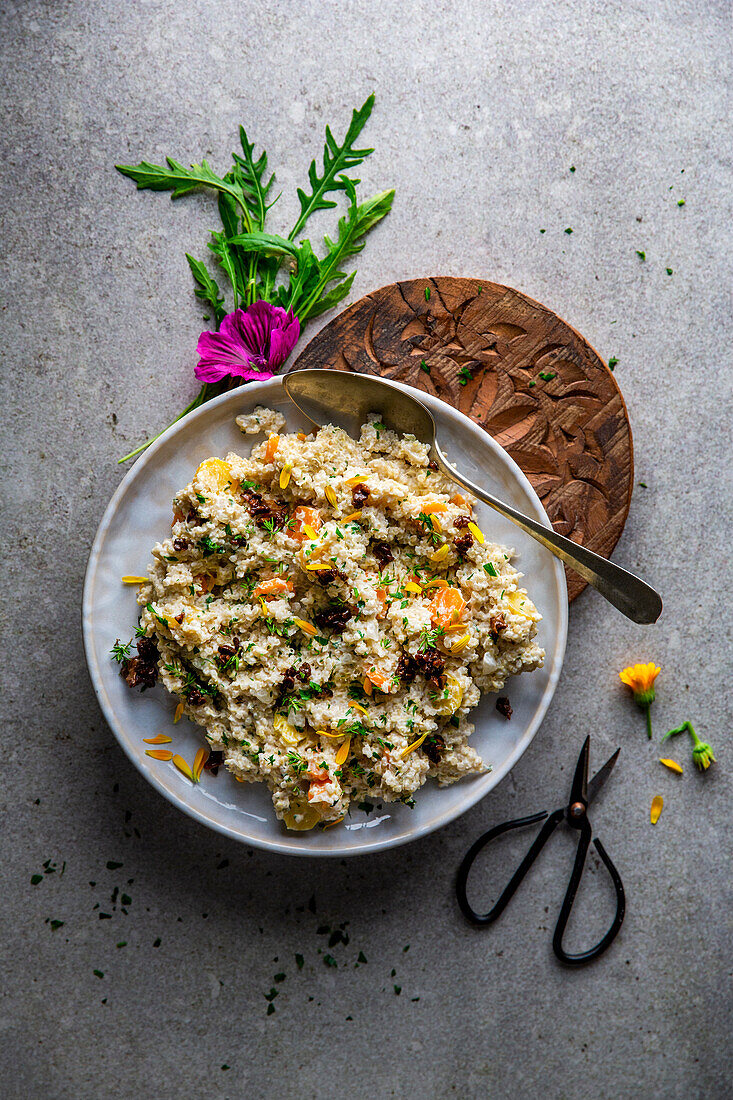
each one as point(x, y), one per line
point(330, 613)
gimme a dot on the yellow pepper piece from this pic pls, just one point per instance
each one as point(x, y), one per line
point(283, 729)
point(330, 494)
point(477, 533)
point(285, 475)
point(307, 628)
point(134, 580)
point(412, 587)
point(343, 751)
point(657, 803)
point(671, 764)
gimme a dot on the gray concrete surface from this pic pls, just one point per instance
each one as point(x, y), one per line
point(482, 108)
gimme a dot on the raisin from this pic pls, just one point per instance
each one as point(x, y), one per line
point(431, 664)
point(194, 697)
point(335, 617)
point(194, 518)
point(463, 543)
point(383, 553)
point(215, 761)
point(434, 747)
point(359, 495)
point(462, 521)
point(181, 617)
point(304, 672)
point(497, 625)
point(503, 707)
point(432, 464)
point(180, 544)
point(406, 669)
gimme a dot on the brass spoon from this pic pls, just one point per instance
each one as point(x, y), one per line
point(345, 399)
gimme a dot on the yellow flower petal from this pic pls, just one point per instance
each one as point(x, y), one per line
point(413, 746)
point(309, 531)
point(313, 566)
point(639, 677)
point(657, 803)
point(412, 587)
point(477, 533)
point(178, 714)
point(131, 579)
point(330, 494)
point(352, 516)
point(285, 475)
point(671, 764)
point(440, 554)
point(307, 628)
point(337, 821)
point(198, 763)
point(159, 754)
point(343, 751)
point(359, 707)
point(437, 582)
point(161, 739)
point(356, 480)
point(183, 767)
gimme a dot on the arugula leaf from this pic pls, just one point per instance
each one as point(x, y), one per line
point(268, 243)
point(336, 160)
point(249, 175)
point(208, 290)
point(352, 227)
point(182, 180)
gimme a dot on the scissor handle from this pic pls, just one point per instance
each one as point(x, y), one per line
point(464, 870)
point(567, 905)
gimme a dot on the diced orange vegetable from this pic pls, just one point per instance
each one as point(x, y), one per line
point(159, 754)
point(379, 678)
point(367, 685)
point(434, 506)
point(447, 607)
point(304, 518)
point(382, 597)
point(271, 449)
point(318, 774)
point(301, 436)
point(459, 500)
point(275, 586)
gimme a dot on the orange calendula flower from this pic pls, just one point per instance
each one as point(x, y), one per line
point(640, 678)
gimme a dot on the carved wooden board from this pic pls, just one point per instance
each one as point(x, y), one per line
point(528, 378)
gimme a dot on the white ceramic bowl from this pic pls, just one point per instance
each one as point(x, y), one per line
point(138, 515)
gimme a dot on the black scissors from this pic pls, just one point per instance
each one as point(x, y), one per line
point(576, 815)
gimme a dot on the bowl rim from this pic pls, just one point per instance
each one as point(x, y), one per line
point(482, 785)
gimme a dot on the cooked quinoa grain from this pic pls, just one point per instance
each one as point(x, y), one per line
point(321, 614)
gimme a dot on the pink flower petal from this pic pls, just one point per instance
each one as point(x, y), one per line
point(251, 343)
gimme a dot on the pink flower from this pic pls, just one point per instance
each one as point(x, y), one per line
point(251, 343)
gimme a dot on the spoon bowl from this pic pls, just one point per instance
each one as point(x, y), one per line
point(346, 399)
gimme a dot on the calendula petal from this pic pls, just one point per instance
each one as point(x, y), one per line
point(178, 714)
point(330, 494)
point(129, 579)
point(161, 739)
point(159, 754)
point(656, 810)
point(671, 764)
point(338, 821)
point(183, 767)
point(413, 746)
point(343, 751)
point(199, 760)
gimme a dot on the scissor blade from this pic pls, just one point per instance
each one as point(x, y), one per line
point(601, 776)
point(579, 789)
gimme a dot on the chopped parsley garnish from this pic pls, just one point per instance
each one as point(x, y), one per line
point(489, 568)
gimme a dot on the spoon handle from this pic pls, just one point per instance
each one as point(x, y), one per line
point(632, 596)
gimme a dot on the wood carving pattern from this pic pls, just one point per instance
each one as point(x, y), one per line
point(513, 367)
